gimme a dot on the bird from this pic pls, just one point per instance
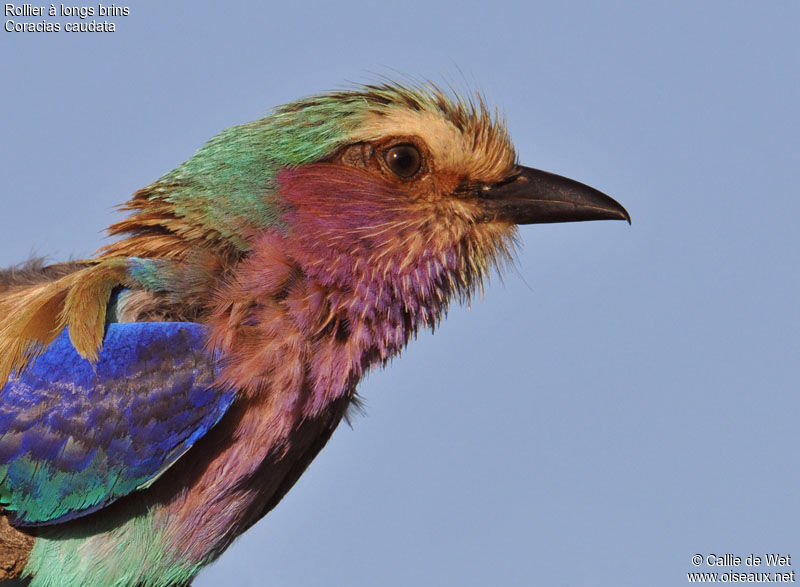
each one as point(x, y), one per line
point(162, 396)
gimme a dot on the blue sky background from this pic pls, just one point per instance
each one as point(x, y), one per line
point(624, 399)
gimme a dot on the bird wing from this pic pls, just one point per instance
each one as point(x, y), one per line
point(75, 436)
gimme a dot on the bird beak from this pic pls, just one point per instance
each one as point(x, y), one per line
point(532, 196)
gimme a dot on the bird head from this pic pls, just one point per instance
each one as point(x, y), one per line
point(383, 177)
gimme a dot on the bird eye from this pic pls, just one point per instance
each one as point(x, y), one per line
point(403, 160)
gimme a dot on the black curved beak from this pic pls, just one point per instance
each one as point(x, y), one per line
point(533, 196)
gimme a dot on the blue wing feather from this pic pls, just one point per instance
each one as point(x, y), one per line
point(76, 436)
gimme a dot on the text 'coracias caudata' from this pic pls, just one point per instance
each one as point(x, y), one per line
point(160, 398)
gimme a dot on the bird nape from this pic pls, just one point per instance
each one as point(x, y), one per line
point(160, 398)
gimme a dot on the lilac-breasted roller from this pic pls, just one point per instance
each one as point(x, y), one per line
point(160, 398)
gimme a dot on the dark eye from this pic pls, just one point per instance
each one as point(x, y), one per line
point(403, 160)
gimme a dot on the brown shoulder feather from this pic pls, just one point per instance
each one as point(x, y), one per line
point(37, 302)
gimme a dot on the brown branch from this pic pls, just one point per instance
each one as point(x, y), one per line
point(15, 546)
